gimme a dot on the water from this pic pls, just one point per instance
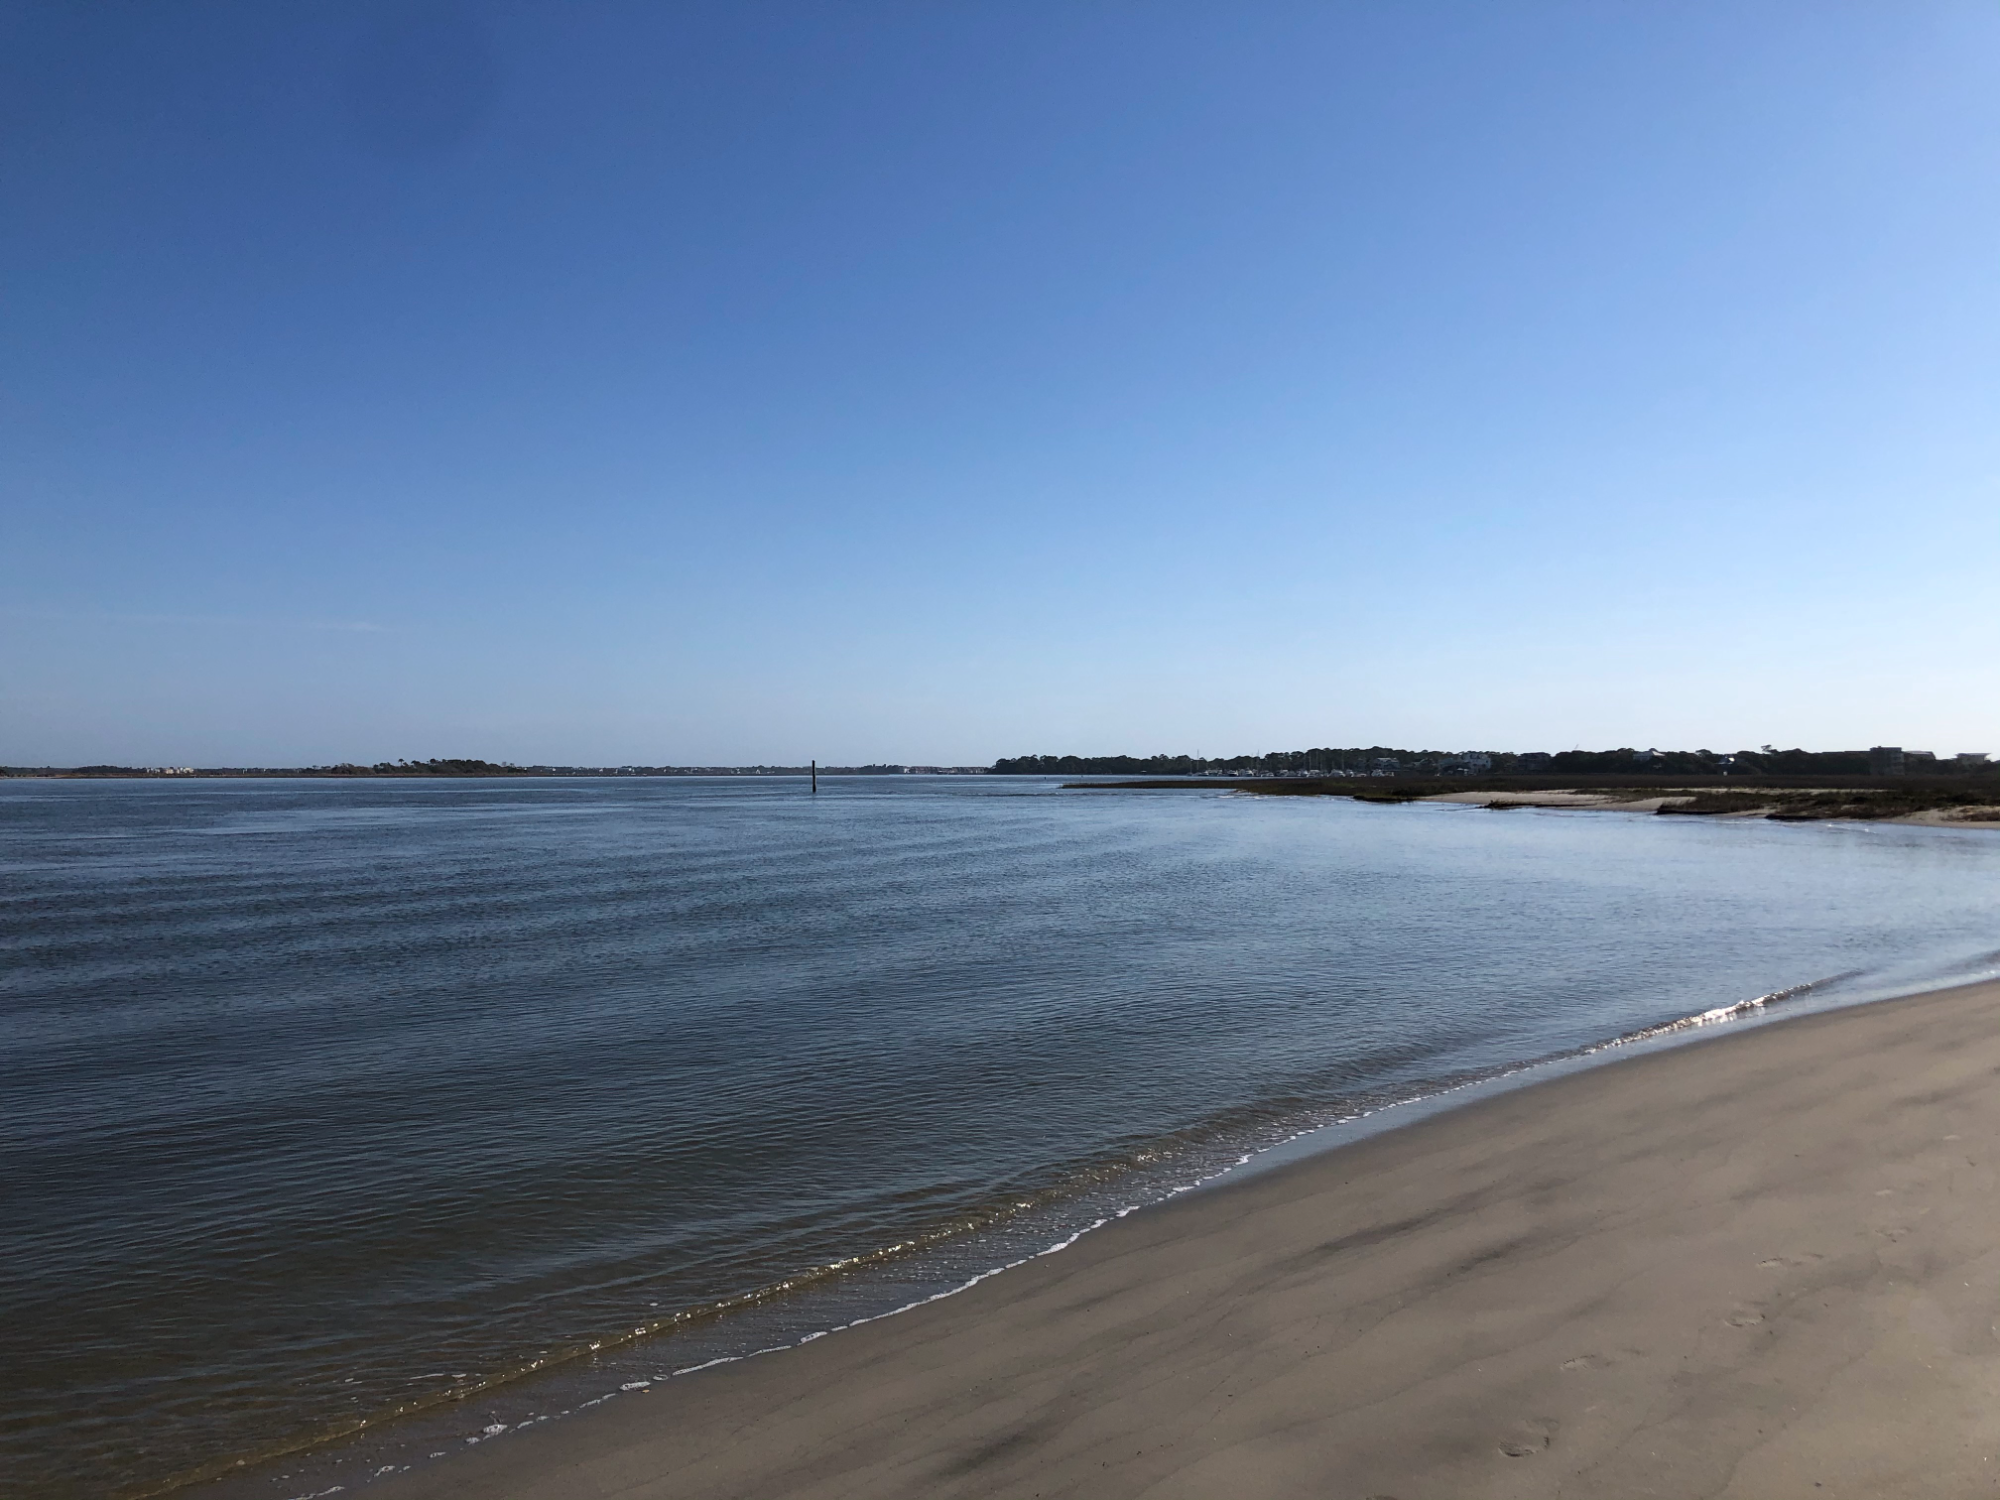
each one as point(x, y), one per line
point(322, 1100)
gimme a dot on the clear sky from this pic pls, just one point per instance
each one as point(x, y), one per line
point(752, 382)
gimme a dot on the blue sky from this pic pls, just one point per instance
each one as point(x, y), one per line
point(734, 383)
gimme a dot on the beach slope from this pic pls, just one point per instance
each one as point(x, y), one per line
point(1763, 1265)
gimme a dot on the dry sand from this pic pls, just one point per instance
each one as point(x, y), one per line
point(1762, 1265)
point(1587, 801)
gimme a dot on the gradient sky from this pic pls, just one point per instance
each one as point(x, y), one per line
point(750, 382)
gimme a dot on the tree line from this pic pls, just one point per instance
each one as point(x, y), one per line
point(1364, 760)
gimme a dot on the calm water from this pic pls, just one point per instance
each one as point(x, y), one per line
point(321, 1100)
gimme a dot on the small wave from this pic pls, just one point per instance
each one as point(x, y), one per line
point(1099, 1175)
point(1721, 1013)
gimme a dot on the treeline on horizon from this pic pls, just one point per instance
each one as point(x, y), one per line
point(345, 768)
point(508, 768)
point(1359, 760)
point(457, 767)
point(1389, 760)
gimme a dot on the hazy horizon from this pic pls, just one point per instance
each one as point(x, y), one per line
point(828, 768)
point(720, 386)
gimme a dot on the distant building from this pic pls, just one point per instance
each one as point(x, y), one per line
point(1969, 760)
point(1886, 760)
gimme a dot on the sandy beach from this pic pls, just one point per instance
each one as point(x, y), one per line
point(1766, 1264)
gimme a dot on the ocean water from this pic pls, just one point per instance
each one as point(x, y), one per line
point(345, 1123)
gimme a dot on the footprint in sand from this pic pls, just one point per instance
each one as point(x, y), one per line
point(1602, 1361)
point(1789, 1262)
point(1744, 1319)
point(1535, 1437)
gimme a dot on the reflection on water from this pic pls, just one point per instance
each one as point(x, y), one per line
point(325, 1099)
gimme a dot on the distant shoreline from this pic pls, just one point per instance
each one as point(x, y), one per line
point(1934, 802)
point(371, 773)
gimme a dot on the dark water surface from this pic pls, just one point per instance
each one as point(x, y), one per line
point(319, 1100)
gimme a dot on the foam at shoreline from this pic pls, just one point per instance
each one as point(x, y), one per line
point(1551, 1277)
point(1301, 1144)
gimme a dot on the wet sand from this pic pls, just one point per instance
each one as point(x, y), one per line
point(1766, 1265)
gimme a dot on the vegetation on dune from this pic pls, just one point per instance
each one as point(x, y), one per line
point(1871, 804)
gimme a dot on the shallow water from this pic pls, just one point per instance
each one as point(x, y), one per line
point(321, 1099)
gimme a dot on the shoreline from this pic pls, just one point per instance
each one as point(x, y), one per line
point(1210, 1343)
point(1911, 805)
point(252, 1477)
point(1583, 971)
